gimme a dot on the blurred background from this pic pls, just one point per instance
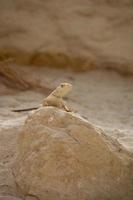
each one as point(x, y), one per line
point(76, 34)
point(88, 43)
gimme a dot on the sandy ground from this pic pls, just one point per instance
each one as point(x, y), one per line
point(103, 97)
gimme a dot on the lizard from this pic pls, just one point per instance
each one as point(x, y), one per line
point(54, 99)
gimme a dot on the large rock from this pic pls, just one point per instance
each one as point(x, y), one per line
point(62, 156)
point(80, 34)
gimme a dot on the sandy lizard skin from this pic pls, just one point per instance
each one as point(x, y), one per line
point(54, 99)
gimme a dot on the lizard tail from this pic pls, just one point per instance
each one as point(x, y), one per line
point(25, 109)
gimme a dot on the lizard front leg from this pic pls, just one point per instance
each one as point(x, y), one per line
point(66, 107)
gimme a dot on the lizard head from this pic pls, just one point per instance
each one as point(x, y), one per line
point(63, 89)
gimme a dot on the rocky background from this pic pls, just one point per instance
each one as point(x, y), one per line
point(49, 154)
point(77, 34)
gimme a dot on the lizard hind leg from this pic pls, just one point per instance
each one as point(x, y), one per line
point(45, 103)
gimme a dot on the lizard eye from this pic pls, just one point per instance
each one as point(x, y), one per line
point(62, 85)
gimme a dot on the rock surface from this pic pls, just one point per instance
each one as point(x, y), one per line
point(81, 34)
point(62, 156)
